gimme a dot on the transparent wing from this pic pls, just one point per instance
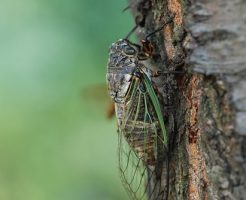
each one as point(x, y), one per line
point(140, 137)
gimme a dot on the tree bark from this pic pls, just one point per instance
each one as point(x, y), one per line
point(207, 128)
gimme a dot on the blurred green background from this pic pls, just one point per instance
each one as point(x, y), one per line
point(55, 140)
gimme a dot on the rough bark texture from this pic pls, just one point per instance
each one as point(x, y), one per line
point(208, 125)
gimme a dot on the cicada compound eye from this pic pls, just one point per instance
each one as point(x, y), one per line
point(129, 50)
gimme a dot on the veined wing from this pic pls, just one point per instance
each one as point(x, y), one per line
point(142, 135)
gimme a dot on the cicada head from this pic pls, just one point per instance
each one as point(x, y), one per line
point(123, 59)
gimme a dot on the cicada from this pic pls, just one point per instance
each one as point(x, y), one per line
point(141, 129)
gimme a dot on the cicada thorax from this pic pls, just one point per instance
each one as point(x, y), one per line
point(120, 68)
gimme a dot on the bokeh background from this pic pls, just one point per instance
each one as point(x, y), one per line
point(55, 140)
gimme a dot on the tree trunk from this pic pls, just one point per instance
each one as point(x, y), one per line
point(207, 128)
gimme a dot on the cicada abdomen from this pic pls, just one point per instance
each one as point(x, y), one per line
point(141, 128)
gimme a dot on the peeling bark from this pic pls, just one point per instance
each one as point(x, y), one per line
point(207, 39)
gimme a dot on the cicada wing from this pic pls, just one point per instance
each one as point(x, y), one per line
point(139, 140)
point(133, 172)
point(157, 108)
point(132, 169)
